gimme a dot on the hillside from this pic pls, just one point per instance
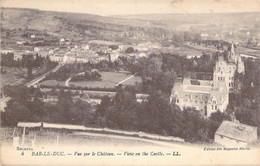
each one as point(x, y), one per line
point(70, 24)
point(130, 27)
point(177, 21)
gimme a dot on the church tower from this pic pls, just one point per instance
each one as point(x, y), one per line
point(232, 55)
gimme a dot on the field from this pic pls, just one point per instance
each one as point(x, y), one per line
point(108, 80)
point(53, 83)
point(103, 42)
point(249, 51)
point(183, 51)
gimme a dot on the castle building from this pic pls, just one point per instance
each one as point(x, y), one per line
point(201, 95)
point(224, 71)
point(209, 96)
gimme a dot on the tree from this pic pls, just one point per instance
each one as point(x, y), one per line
point(155, 114)
point(129, 50)
point(16, 112)
point(219, 116)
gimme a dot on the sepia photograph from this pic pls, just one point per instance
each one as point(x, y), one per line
point(133, 82)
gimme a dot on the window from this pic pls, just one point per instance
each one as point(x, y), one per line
point(177, 101)
point(229, 85)
point(216, 107)
point(212, 107)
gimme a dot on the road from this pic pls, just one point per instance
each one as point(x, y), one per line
point(68, 80)
point(104, 93)
point(5, 99)
point(38, 79)
point(201, 48)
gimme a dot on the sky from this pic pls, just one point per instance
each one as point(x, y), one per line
point(130, 7)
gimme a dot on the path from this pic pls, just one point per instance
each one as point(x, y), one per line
point(125, 79)
point(68, 80)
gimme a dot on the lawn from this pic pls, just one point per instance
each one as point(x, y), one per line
point(108, 80)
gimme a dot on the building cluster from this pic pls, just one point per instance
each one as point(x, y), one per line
point(209, 96)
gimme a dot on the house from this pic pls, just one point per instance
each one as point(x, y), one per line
point(50, 98)
point(56, 58)
point(3, 103)
point(204, 35)
point(121, 47)
point(20, 42)
point(86, 47)
point(142, 54)
point(36, 49)
point(114, 56)
point(51, 51)
point(232, 133)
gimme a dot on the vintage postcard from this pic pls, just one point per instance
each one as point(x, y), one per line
point(132, 82)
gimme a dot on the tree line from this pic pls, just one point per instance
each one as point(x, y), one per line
point(154, 115)
point(28, 61)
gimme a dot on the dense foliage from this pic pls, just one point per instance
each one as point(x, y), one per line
point(29, 61)
point(155, 114)
point(245, 103)
point(26, 105)
point(87, 76)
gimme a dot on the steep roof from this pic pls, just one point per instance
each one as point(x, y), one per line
point(236, 131)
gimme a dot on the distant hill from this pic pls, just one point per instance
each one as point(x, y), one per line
point(70, 24)
point(147, 26)
point(247, 20)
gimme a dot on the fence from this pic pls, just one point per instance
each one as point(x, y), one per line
point(102, 130)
